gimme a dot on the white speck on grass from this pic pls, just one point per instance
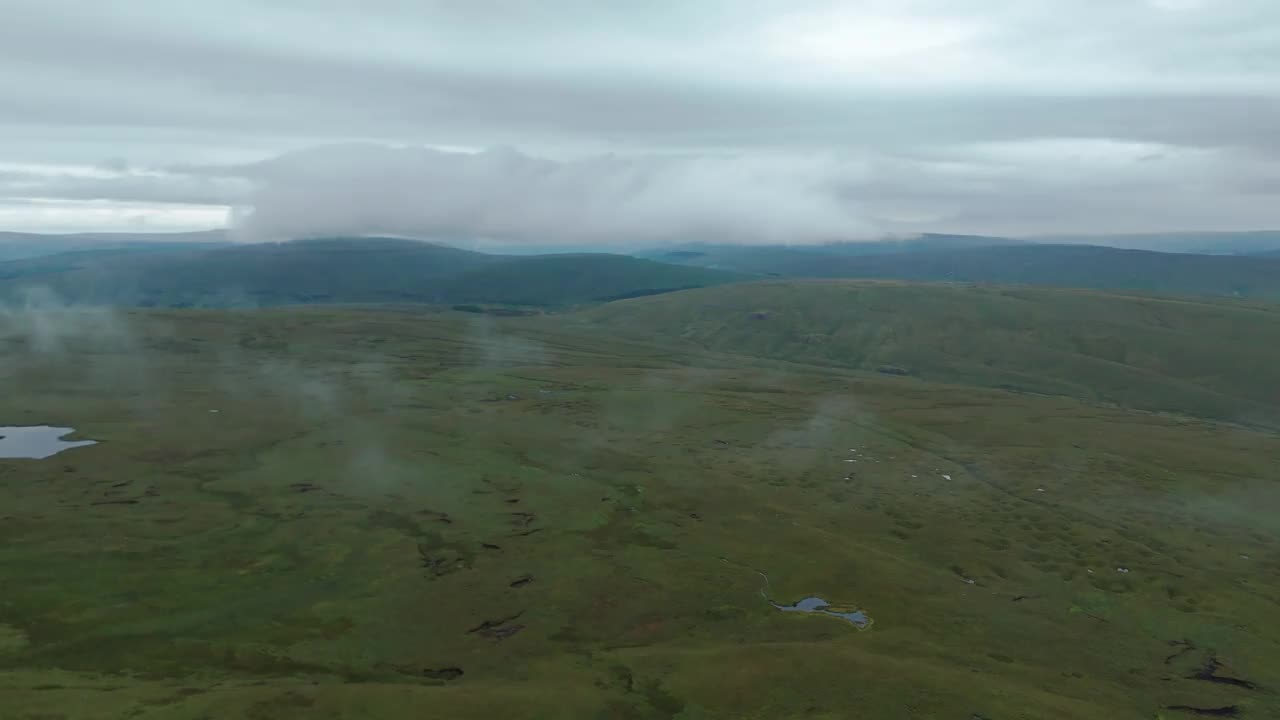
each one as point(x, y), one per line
point(1122, 569)
point(946, 477)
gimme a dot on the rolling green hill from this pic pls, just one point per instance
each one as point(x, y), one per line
point(366, 270)
point(1213, 358)
point(1082, 266)
point(884, 246)
point(397, 270)
point(760, 260)
point(556, 279)
point(824, 260)
point(1085, 266)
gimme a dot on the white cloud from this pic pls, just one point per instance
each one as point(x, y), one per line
point(844, 45)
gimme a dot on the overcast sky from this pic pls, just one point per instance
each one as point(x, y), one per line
point(576, 122)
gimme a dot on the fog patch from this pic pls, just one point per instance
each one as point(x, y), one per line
point(487, 346)
point(663, 400)
point(12, 640)
point(102, 348)
point(311, 393)
point(47, 325)
point(348, 398)
point(827, 424)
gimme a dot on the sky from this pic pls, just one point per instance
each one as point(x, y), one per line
point(576, 123)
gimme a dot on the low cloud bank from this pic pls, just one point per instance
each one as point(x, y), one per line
point(508, 199)
point(504, 196)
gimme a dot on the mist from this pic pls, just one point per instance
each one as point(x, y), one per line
point(99, 352)
point(44, 324)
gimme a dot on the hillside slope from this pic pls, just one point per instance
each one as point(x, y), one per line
point(1213, 358)
point(1085, 266)
point(823, 260)
point(342, 271)
point(573, 278)
point(1212, 243)
point(1082, 266)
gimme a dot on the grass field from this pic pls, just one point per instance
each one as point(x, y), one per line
point(1208, 357)
point(404, 513)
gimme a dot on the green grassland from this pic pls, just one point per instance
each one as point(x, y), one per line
point(1209, 357)
point(410, 513)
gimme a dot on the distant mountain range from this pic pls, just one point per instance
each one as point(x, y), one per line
point(1208, 243)
point(19, 246)
point(14, 245)
point(202, 269)
point(340, 270)
point(1083, 266)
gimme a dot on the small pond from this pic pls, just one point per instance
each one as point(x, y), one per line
point(819, 606)
point(36, 442)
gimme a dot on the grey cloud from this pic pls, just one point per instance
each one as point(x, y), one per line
point(1082, 186)
point(516, 73)
point(851, 118)
point(507, 197)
